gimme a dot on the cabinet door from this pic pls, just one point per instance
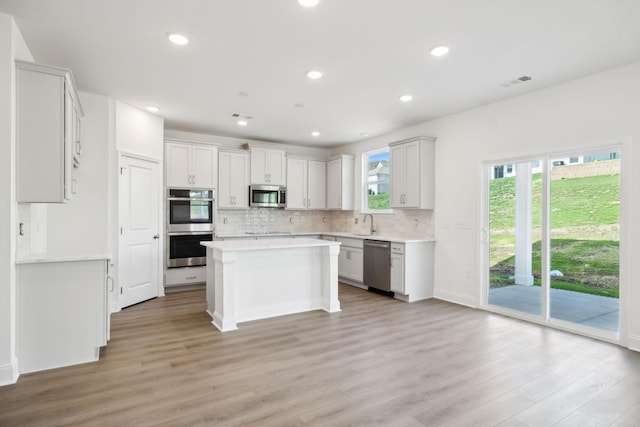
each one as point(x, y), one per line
point(357, 260)
point(239, 180)
point(275, 167)
point(177, 171)
point(296, 184)
point(334, 184)
point(411, 175)
point(204, 166)
point(317, 185)
point(396, 179)
point(397, 273)
point(224, 181)
point(344, 264)
point(259, 173)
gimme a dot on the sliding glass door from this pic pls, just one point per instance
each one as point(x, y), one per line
point(552, 239)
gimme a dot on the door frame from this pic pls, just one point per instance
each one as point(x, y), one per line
point(622, 145)
point(115, 302)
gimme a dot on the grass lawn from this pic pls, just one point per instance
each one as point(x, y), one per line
point(379, 201)
point(584, 232)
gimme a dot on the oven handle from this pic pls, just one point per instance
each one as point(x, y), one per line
point(190, 233)
point(188, 199)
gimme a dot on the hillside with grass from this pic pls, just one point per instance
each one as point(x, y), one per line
point(584, 232)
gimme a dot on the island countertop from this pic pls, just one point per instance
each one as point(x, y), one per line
point(261, 244)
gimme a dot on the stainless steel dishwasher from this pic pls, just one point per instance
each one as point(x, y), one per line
point(377, 263)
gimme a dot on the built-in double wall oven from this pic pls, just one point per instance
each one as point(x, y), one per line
point(190, 220)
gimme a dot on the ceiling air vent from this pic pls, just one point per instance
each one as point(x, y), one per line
point(519, 80)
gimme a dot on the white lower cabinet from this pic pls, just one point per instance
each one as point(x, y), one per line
point(62, 312)
point(350, 260)
point(412, 270)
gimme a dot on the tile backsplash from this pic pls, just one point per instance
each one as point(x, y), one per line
point(261, 220)
point(401, 223)
point(405, 223)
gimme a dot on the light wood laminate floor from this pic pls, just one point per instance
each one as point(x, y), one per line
point(380, 362)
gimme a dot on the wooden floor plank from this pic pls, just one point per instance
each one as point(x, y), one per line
point(378, 362)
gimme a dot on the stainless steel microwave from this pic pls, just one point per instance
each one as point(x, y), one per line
point(267, 196)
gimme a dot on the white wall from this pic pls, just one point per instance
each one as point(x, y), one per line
point(590, 112)
point(138, 132)
point(12, 46)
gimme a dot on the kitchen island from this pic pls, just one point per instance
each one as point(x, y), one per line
point(256, 279)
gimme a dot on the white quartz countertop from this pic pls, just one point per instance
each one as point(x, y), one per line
point(41, 258)
point(261, 244)
point(383, 237)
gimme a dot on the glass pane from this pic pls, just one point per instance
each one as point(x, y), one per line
point(378, 180)
point(514, 237)
point(585, 240)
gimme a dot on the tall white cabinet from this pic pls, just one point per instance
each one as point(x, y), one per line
point(48, 133)
point(190, 165)
point(413, 173)
point(306, 183)
point(340, 182)
point(233, 179)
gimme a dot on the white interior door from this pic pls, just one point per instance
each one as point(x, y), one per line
point(139, 206)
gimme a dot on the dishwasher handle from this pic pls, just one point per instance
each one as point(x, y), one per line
point(377, 244)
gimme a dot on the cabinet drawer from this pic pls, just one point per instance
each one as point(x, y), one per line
point(185, 275)
point(354, 243)
point(397, 248)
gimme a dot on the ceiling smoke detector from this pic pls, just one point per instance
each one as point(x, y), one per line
point(519, 80)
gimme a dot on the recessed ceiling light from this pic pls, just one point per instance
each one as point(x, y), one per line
point(314, 74)
point(178, 39)
point(406, 98)
point(308, 3)
point(242, 122)
point(364, 134)
point(315, 133)
point(439, 51)
point(153, 109)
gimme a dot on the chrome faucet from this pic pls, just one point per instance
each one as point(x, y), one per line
point(371, 228)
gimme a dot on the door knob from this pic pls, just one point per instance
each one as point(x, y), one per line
point(157, 236)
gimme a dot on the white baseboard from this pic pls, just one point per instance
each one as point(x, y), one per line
point(634, 342)
point(9, 373)
point(455, 297)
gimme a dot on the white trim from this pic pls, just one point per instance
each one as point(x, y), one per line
point(364, 188)
point(634, 343)
point(455, 297)
point(9, 373)
point(114, 300)
point(621, 145)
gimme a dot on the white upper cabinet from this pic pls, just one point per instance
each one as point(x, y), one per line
point(48, 133)
point(191, 165)
point(340, 176)
point(413, 173)
point(267, 166)
point(233, 179)
point(306, 184)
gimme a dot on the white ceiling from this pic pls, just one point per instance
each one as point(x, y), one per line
point(371, 52)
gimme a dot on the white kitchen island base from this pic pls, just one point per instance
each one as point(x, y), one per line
point(256, 279)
